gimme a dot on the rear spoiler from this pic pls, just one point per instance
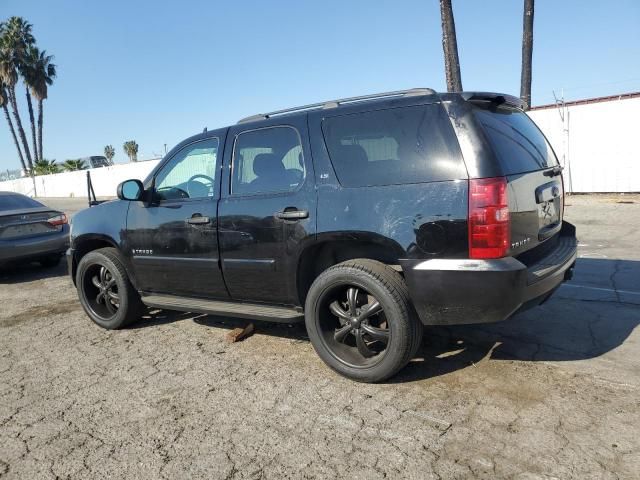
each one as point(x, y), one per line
point(495, 98)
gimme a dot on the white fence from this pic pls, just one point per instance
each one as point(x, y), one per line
point(597, 143)
point(74, 184)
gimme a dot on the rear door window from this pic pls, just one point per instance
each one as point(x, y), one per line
point(267, 160)
point(393, 146)
point(517, 142)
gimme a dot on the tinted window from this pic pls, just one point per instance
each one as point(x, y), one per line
point(267, 160)
point(17, 202)
point(395, 146)
point(516, 141)
point(191, 173)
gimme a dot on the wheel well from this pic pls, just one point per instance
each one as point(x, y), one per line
point(318, 258)
point(85, 246)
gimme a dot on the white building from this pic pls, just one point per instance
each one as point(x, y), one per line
point(597, 140)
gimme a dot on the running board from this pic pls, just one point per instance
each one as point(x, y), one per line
point(254, 311)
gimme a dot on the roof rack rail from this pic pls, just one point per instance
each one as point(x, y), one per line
point(413, 92)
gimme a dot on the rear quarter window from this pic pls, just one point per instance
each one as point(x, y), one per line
point(393, 146)
point(516, 141)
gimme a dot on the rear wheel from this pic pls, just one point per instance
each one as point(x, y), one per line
point(104, 289)
point(360, 320)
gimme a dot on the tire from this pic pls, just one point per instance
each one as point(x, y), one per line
point(104, 289)
point(388, 338)
point(50, 261)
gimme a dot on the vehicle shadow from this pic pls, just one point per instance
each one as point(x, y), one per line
point(577, 323)
point(154, 317)
point(30, 272)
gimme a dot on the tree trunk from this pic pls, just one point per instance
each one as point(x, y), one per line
point(15, 138)
point(23, 137)
point(33, 126)
point(450, 47)
point(527, 53)
point(40, 109)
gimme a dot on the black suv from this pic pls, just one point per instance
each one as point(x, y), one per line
point(367, 217)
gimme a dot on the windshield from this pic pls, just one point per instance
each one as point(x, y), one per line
point(517, 142)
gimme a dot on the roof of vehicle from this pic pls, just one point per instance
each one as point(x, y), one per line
point(413, 96)
point(414, 92)
point(410, 96)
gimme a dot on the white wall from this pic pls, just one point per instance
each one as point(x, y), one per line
point(74, 184)
point(601, 147)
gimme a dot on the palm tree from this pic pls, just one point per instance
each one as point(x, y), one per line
point(131, 149)
point(15, 38)
point(72, 165)
point(109, 152)
point(3, 102)
point(28, 72)
point(450, 47)
point(41, 73)
point(527, 53)
point(45, 167)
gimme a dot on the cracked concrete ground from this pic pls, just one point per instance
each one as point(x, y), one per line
point(552, 393)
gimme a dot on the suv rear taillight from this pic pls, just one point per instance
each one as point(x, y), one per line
point(488, 218)
point(58, 220)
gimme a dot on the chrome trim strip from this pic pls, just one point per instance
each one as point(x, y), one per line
point(262, 263)
point(159, 258)
point(465, 264)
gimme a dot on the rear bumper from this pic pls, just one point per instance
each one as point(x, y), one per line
point(34, 247)
point(463, 291)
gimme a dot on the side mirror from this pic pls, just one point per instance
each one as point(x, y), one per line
point(131, 190)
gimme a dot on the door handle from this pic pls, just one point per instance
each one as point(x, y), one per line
point(292, 213)
point(198, 219)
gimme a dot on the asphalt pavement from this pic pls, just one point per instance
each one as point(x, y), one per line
point(551, 393)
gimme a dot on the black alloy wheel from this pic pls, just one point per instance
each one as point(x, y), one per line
point(360, 320)
point(105, 291)
point(101, 291)
point(355, 329)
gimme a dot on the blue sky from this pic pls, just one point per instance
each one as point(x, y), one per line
point(159, 71)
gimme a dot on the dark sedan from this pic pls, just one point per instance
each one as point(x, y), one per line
point(30, 231)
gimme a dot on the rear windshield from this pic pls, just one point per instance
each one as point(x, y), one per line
point(16, 202)
point(393, 146)
point(516, 140)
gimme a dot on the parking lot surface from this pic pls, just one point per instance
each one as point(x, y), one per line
point(551, 393)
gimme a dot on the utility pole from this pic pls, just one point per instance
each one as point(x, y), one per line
point(527, 53)
point(450, 47)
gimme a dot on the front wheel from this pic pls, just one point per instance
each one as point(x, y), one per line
point(360, 320)
point(104, 289)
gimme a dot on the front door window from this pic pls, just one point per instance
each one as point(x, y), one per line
point(190, 173)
